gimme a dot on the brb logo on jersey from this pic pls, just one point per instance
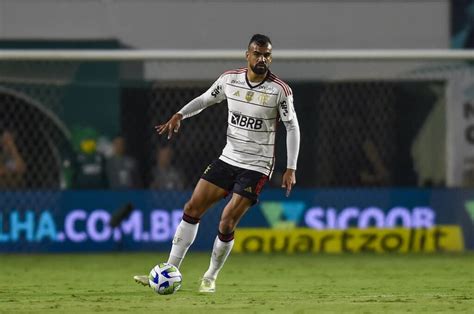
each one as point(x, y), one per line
point(246, 122)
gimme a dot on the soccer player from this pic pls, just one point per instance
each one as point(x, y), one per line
point(257, 99)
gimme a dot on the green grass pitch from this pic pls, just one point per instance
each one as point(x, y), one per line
point(102, 283)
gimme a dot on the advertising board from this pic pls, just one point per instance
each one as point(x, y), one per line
point(311, 220)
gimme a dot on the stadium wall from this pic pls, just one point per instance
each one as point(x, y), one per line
point(312, 221)
point(206, 24)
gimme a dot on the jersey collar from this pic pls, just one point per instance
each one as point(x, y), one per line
point(254, 86)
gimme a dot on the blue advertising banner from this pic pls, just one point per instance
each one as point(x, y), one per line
point(42, 221)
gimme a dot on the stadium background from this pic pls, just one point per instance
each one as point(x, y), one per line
point(370, 140)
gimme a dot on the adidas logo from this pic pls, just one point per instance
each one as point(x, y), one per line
point(248, 189)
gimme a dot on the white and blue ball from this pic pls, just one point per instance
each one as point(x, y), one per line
point(165, 278)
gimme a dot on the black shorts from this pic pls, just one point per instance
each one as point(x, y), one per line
point(247, 183)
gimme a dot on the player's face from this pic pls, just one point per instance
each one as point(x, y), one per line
point(259, 58)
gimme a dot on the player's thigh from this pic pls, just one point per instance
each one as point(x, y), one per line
point(249, 184)
point(204, 196)
point(233, 212)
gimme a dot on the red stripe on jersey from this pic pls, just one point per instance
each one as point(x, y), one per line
point(285, 86)
point(235, 71)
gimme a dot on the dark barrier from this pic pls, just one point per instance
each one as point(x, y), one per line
point(333, 220)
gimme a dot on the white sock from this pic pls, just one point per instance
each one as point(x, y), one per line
point(220, 252)
point(183, 238)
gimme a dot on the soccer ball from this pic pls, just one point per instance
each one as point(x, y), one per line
point(165, 278)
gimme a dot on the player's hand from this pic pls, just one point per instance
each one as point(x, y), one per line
point(289, 179)
point(171, 126)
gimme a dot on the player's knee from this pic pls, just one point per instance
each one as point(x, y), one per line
point(190, 209)
point(227, 226)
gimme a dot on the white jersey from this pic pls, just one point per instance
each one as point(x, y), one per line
point(254, 111)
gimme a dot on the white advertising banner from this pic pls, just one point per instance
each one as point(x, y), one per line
point(460, 129)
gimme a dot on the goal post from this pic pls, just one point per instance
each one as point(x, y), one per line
point(368, 117)
point(234, 55)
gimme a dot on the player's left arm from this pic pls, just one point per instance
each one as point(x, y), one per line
point(290, 120)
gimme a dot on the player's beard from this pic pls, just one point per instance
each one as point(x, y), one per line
point(260, 68)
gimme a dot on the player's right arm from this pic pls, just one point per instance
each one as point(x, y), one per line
point(213, 95)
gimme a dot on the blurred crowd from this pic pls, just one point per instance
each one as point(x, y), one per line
point(12, 164)
point(100, 164)
point(94, 163)
point(97, 163)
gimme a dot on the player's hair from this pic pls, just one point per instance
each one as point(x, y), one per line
point(260, 40)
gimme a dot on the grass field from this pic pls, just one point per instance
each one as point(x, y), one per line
point(248, 284)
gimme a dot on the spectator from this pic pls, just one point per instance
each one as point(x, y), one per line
point(379, 174)
point(122, 170)
point(89, 168)
point(165, 175)
point(12, 165)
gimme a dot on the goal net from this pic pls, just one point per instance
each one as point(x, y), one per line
point(367, 118)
